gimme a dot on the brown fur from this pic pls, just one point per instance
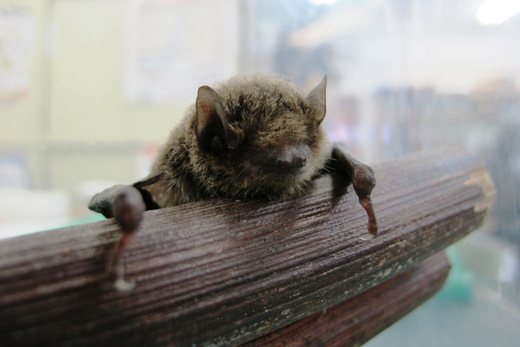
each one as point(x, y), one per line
point(265, 114)
point(249, 137)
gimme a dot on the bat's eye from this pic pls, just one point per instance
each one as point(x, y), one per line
point(217, 145)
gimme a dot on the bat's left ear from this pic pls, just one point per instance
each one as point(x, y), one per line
point(317, 100)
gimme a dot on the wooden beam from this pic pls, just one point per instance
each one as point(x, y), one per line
point(227, 272)
point(358, 319)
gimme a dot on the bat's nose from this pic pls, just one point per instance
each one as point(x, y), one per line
point(292, 158)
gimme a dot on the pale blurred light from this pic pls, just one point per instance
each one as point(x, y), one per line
point(494, 12)
point(323, 2)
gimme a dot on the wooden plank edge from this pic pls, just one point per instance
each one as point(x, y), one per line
point(356, 320)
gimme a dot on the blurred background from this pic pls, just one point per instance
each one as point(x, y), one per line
point(90, 88)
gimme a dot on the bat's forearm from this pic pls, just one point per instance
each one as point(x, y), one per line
point(363, 180)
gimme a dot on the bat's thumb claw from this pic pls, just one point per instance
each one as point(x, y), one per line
point(367, 237)
point(366, 202)
point(372, 227)
point(123, 286)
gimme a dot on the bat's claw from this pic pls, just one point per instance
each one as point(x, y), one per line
point(127, 207)
point(123, 286)
point(372, 221)
point(367, 237)
point(115, 267)
point(363, 180)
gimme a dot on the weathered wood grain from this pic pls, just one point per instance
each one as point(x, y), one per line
point(226, 272)
point(356, 320)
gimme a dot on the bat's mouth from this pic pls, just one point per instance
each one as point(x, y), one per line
point(285, 176)
point(275, 168)
point(283, 164)
point(277, 174)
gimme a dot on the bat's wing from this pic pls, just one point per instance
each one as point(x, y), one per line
point(104, 202)
point(362, 177)
point(126, 204)
point(138, 193)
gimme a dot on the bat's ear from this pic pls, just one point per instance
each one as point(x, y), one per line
point(317, 100)
point(211, 126)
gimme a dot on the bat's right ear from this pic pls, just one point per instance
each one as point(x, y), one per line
point(317, 101)
point(211, 126)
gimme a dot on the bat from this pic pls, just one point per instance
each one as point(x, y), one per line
point(249, 137)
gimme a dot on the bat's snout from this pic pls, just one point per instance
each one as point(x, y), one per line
point(292, 158)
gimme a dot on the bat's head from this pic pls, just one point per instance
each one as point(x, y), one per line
point(258, 136)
